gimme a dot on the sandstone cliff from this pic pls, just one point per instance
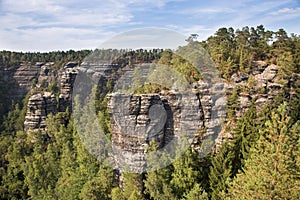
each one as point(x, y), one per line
point(262, 85)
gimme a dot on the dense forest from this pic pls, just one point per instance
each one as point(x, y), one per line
point(260, 161)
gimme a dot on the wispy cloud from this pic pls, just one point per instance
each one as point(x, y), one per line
point(206, 11)
point(43, 22)
point(203, 31)
point(42, 25)
point(287, 11)
point(254, 13)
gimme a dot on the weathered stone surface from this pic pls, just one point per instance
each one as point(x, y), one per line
point(138, 119)
point(161, 117)
point(19, 80)
point(237, 78)
point(261, 101)
point(267, 75)
point(39, 106)
point(67, 78)
point(258, 67)
point(244, 101)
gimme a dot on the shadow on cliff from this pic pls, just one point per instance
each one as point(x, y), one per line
point(11, 91)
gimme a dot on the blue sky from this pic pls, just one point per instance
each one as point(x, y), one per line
point(47, 25)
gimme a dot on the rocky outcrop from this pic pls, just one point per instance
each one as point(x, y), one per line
point(17, 81)
point(38, 107)
point(46, 76)
point(265, 86)
point(66, 81)
point(138, 119)
point(44, 103)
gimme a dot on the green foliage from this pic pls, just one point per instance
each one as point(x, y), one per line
point(132, 187)
point(245, 136)
point(183, 179)
point(150, 88)
point(243, 54)
point(272, 170)
point(12, 169)
point(157, 182)
point(196, 193)
point(99, 187)
point(235, 50)
point(187, 69)
point(12, 59)
point(232, 104)
point(185, 174)
point(220, 171)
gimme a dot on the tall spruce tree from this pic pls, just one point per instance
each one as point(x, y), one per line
point(185, 174)
point(157, 183)
point(220, 171)
point(244, 137)
point(272, 170)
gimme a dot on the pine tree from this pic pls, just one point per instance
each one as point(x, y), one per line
point(220, 171)
point(157, 184)
point(272, 170)
point(69, 184)
point(185, 174)
point(232, 104)
point(196, 193)
point(132, 187)
point(99, 187)
point(244, 137)
point(244, 57)
point(12, 173)
point(41, 168)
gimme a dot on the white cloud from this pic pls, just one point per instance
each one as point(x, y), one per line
point(203, 31)
point(206, 11)
point(254, 12)
point(30, 6)
point(53, 38)
point(48, 24)
point(287, 11)
point(147, 3)
point(36, 25)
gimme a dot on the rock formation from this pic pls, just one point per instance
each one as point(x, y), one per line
point(42, 103)
point(16, 82)
point(39, 106)
point(137, 119)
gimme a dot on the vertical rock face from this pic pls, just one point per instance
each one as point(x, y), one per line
point(138, 119)
point(43, 103)
point(17, 81)
point(24, 76)
point(67, 78)
point(39, 106)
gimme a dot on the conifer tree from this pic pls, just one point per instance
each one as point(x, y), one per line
point(185, 174)
point(12, 172)
point(272, 170)
point(220, 171)
point(196, 193)
point(232, 105)
point(99, 187)
point(244, 137)
point(157, 184)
